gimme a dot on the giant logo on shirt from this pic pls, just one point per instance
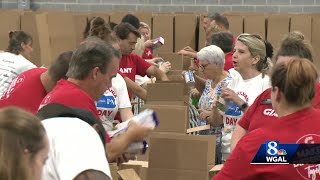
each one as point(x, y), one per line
point(14, 85)
point(106, 102)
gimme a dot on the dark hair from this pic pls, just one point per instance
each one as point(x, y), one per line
point(296, 80)
point(15, 40)
point(124, 29)
point(221, 20)
point(212, 16)
point(91, 54)
point(131, 19)
point(224, 40)
point(112, 25)
point(60, 66)
point(294, 44)
point(20, 132)
point(96, 26)
point(59, 110)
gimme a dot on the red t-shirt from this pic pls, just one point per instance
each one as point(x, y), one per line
point(228, 64)
point(259, 114)
point(147, 53)
point(132, 65)
point(69, 94)
point(300, 127)
point(26, 91)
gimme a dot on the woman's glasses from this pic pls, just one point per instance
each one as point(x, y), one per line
point(202, 67)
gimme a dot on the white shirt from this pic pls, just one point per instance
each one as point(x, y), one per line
point(11, 65)
point(140, 80)
point(247, 90)
point(113, 99)
point(74, 147)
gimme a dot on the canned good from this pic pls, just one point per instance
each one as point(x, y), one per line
point(160, 62)
point(189, 78)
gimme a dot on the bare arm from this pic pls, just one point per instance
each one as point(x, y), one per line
point(125, 113)
point(118, 145)
point(156, 72)
point(135, 88)
point(238, 133)
point(92, 175)
point(215, 119)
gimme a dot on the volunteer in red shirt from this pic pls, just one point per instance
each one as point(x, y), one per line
point(261, 113)
point(293, 88)
point(132, 64)
point(93, 65)
point(29, 88)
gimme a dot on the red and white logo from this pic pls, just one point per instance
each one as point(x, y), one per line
point(270, 112)
point(308, 171)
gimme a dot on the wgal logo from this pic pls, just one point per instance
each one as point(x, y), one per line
point(274, 154)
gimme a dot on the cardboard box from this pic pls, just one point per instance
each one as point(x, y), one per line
point(114, 170)
point(185, 31)
point(315, 41)
point(278, 26)
point(10, 21)
point(36, 24)
point(158, 93)
point(140, 167)
point(162, 25)
point(235, 24)
point(178, 62)
point(181, 151)
point(144, 17)
point(117, 16)
point(174, 174)
point(255, 24)
point(214, 170)
point(61, 39)
point(172, 118)
point(176, 75)
point(80, 22)
point(302, 23)
point(202, 33)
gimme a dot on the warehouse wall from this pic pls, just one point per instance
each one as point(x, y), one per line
point(173, 5)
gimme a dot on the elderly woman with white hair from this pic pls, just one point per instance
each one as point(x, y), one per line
point(212, 61)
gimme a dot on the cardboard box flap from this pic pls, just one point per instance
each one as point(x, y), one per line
point(181, 151)
point(185, 31)
point(162, 26)
point(117, 16)
point(236, 24)
point(172, 118)
point(216, 168)
point(278, 26)
point(178, 62)
point(302, 23)
point(10, 21)
point(158, 92)
point(134, 162)
point(174, 174)
point(128, 174)
point(316, 39)
point(255, 24)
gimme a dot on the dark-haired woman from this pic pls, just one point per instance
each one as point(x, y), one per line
point(15, 60)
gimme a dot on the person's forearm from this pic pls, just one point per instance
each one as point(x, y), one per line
point(238, 133)
point(161, 75)
point(215, 119)
point(136, 89)
point(118, 146)
point(125, 113)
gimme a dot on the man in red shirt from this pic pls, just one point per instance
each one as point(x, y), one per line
point(132, 64)
point(92, 67)
point(261, 112)
point(29, 88)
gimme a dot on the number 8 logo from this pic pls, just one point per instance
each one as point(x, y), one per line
point(272, 148)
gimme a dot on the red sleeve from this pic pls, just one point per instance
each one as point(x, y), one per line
point(142, 65)
point(240, 159)
point(244, 122)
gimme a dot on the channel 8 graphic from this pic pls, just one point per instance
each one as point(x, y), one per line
point(273, 152)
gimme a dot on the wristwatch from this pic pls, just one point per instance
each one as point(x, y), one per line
point(244, 106)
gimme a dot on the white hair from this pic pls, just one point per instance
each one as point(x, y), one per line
point(213, 54)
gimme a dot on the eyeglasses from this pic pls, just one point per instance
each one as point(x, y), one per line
point(202, 67)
